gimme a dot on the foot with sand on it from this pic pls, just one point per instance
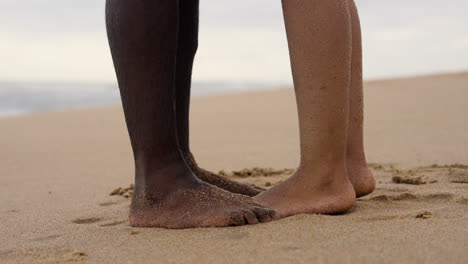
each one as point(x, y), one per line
point(333, 169)
point(153, 44)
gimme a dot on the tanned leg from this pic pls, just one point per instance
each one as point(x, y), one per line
point(358, 172)
point(187, 47)
point(319, 37)
point(143, 40)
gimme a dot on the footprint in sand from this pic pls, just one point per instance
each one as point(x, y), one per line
point(82, 221)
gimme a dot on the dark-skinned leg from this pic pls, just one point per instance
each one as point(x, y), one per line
point(143, 40)
point(187, 47)
point(358, 172)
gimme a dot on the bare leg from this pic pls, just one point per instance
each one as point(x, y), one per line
point(319, 36)
point(186, 50)
point(143, 40)
point(358, 172)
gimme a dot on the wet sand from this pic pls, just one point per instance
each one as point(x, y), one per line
point(58, 170)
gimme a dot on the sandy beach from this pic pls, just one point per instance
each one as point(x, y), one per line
point(57, 170)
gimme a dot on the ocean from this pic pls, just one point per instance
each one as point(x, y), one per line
point(18, 98)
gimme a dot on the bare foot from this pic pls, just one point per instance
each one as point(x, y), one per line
point(361, 177)
point(220, 181)
point(191, 203)
point(304, 192)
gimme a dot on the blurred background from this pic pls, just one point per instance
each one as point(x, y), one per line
point(54, 53)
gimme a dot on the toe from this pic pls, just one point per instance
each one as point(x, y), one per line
point(258, 188)
point(236, 218)
point(251, 191)
point(262, 214)
point(250, 217)
point(273, 214)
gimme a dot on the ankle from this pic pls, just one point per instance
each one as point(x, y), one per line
point(162, 177)
point(323, 165)
point(324, 174)
point(148, 164)
point(186, 152)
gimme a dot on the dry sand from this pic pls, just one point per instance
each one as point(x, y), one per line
point(58, 169)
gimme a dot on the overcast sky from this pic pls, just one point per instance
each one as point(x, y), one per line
point(65, 40)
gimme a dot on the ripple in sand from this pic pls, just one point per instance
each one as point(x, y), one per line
point(424, 215)
point(76, 256)
point(237, 235)
point(395, 189)
point(87, 220)
point(398, 197)
point(381, 218)
point(125, 192)
point(46, 238)
point(458, 176)
point(5, 252)
point(451, 166)
point(410, 196)
point(438, 196)
point(69, 257)
point(114, 223)
point(407, 180)
point(108, 203)
point(291, 248)
point(256, 172)
point(462, 200)
point(375, 166)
